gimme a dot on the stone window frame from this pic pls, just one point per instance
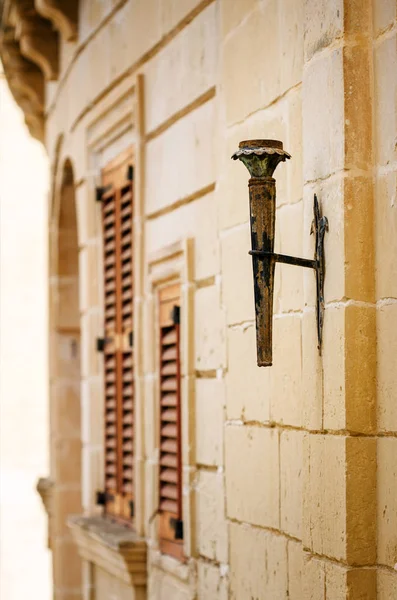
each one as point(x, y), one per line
point(172, 264)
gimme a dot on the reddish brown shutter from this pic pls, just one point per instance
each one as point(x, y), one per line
point(117, 212)
point(170, 472)
point(127, 376)
point(110, 354)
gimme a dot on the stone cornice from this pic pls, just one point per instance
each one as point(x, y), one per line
point(62, 13)
point(112, 547)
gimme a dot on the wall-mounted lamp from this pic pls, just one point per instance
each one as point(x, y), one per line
point(261, 158)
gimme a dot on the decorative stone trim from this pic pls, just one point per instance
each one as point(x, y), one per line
point(22, 75)
point(112, 547)
point(38, 41)
point(62, 13)
point(45, 488)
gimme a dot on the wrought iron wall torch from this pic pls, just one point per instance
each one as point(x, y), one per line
point(261, 158)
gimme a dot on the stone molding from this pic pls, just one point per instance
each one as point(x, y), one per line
point(112, 547)
point(37, 39)
point(62, 13)
point(29, 50)
point(45, 488)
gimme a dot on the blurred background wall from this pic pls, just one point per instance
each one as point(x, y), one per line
point(24, 559)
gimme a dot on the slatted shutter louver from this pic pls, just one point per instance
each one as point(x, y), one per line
point(127, 392)
point(110, 355)
point(117, 213)
point(170, 471)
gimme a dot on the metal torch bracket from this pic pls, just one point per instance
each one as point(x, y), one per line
point(319, 227)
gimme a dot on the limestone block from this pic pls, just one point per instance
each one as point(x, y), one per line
point(151, 498)
point(387, 585)
point(92, 411)
point(88, 213)
point(209, 329)
point(237, 280)
point(295, 566)
point(361, 500)
point(286, 372)
point(270, 73)
point(258, 564)
point(385, 104)
point(324, 506)
point(67, 241)
point(312, 394)
point(233, 13)
point(90, 280)
point(196, 220)
point(92, 475)
point(162, 586)
point(385, 235)
point(342, 583)
point(387, 376)
point(68, 303)
point(190, 61)
point(209, 416)
point(291, 42)
point(212, 540)
point(66, 409)
point(313, 578)
point(323, 116)
point(65, 553)
point(107, 586)
point(172, 13)
point(291, 446)
point(291, 107)
point(249, 89)
point(360, 368)
point(66, 355)
point(359, 238)
point(211, 585)
point(247, 386)
point(91, 329)
point(67, 461)
point(334, 368)
point(323, 24)
point(349, 368)
point(252, 499)
point(289, 234)
point(387, 501)
point(65, 502)
point(169, 180)
point(358, 100)
point(151, 412)
point(384, 12)
point(339, 497)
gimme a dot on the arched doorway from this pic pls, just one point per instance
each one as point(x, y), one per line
point(65, 387)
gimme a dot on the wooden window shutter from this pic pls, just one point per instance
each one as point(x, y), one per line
point(117, 213)
point(170, 469)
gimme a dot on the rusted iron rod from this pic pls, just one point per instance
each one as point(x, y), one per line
point(284, 258)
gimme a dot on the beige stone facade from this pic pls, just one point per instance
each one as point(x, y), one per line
point(289, 473)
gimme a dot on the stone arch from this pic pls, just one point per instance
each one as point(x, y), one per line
point(65, 419)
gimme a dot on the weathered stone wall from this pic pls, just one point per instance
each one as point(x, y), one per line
point(289, 476)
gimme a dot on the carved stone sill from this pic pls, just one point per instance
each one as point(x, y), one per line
point(112, 547)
